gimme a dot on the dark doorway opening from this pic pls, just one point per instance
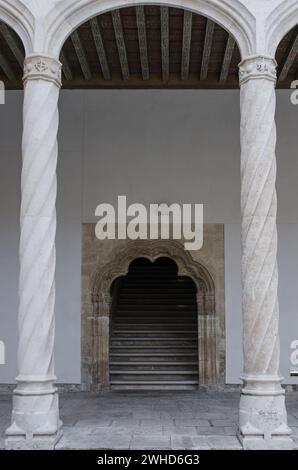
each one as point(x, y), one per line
point(154, 328)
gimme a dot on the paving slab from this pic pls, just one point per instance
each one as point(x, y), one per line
point(189, 443)
point(192, 422)
point(150, 441)
point(224, 442)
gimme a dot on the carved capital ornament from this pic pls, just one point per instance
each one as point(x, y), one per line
point(42, 67)
point(257, 67)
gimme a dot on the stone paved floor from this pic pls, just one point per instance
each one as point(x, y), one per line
point(150, 420)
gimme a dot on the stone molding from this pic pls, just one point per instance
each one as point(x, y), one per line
point(278, 22)
point(20, 17)
point(119, 266)
point(42, 67)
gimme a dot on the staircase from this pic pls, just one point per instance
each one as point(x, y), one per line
point(154, 340)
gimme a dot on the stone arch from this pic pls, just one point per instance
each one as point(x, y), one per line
point(232, 15)
point(96, 331)
point(281, 20)
point(16, 15)
point(102, 280)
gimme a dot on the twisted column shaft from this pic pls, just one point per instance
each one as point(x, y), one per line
point(35, 410)
point(259, 234)
point(263, 418)
point(38, 230)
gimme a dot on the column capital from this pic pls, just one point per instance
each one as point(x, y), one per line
point(257, 66)
point(42, 67)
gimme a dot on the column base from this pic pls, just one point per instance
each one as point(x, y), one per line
point(263, 416)
point(35, 417)
point(47, 442)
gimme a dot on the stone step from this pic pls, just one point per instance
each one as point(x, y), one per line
point(152, 366)
point(166, 350)
point(158, 289)
point(141, 277)
point(154, 357)
point(170, 316)
point(142, 348)
point(156, 319)
point(148, 373)
point(178, 308)
point(147, 332)
point(158, 360)
point(159, 322)
point(153, 363)
point(157, 283)
point(156, 332)
point(160, 338)
point(158, 342)
point(174, 386)
point(154, 354)
point(161, 375)
point(154, 299)
point(122, 326)
point(124, 302)
point(154, 384)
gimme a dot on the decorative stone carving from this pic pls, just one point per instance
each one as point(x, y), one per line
point(257, 67)
point(35, 416)
point(42, 67)
point(262, 396)
point(151, 249)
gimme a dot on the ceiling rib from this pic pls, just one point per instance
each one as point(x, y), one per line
point(118, 29)
point(226, 63)
point(81, 55)
point(289, 59)
point(207, 49)
point(186, 43)
point(142, 35)
point(99, 45)
point(65, 67)
point(165, 50)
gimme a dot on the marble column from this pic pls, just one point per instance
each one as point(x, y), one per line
point(35, 415)
point(263, 417)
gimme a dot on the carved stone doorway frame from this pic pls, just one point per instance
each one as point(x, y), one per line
point(97, 307)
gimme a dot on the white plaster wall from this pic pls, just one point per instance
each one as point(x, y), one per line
point(141, 143)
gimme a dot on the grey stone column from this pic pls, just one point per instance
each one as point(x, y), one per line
point(263, 417)
point(35, 415)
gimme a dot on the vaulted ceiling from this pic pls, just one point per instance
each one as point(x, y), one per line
point(147, 47)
